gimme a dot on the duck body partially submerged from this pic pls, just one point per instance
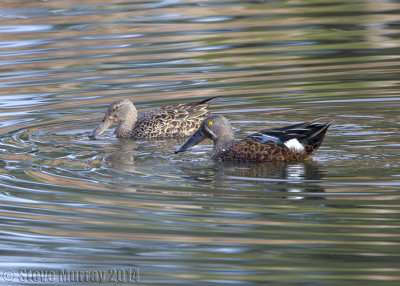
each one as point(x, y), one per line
point(165, 122)
point(290, 143)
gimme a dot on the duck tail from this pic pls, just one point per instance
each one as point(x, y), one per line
point(314, 140)
point(208, 101)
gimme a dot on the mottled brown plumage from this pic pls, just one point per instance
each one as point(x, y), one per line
point(165, 122)
point(290, 143)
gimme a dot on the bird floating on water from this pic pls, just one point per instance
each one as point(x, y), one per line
point(290, 143)
point(165, 122)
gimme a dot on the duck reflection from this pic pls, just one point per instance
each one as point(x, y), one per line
point(290, 177)
point(308, 170)
point(131, 152)
point(295, 179)
point(123, 159)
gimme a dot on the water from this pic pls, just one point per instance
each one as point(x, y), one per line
point(74, 209)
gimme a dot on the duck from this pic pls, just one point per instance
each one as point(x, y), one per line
point(171, 121)
point(296, 142)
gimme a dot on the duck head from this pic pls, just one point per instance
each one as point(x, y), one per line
point(120, 110)
point(215, 127)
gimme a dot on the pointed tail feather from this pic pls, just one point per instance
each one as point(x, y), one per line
point(315, 139)
point(302, 125)
point(208, 101)
point(323, 129)
point(196, 109)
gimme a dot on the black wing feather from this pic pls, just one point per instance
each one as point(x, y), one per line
point(309, 133)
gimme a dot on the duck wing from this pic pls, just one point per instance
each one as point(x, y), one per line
point(306, 136)
point(179, 120)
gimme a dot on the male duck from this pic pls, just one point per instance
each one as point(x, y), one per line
point(168, 121)
point(290, 143)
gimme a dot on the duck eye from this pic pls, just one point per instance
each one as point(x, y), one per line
point(209, 122)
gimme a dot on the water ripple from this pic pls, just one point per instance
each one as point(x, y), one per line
point(73, 203)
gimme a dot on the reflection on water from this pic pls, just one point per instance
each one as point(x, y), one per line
point(123, 159)
point(69, 203)
point(291, 177)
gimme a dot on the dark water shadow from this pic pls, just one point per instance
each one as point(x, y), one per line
point(123, 159)
point(131, 153)
point(293, 178)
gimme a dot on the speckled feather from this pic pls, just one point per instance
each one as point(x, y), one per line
point(165, 122)
point(170, 121)
point(251, 150)
point(255, 147)
point(290, 143)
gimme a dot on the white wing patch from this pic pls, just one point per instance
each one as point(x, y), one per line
point(295, 145)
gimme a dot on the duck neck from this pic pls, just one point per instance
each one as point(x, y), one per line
point(222, 143)
point(126, 124)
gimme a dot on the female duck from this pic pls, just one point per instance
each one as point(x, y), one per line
point(290, 143)
point(168, 121)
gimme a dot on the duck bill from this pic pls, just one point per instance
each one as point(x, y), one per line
point(99, 129)
point(196, 138)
